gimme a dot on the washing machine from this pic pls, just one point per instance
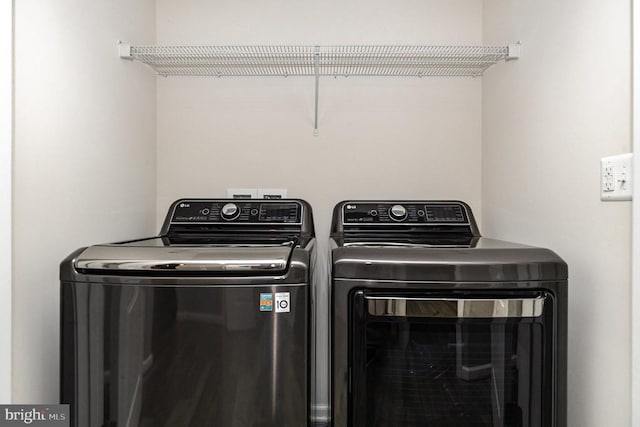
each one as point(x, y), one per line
point(206, 324)
point(434, 325)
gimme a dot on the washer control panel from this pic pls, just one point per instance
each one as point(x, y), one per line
point(237, 211)
point(427, 213)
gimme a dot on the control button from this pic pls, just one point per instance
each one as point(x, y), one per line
point(397, 212)
point(420, 212)
point(254, 212)
point(230, 211)
point(373, 212)
point(205, 211)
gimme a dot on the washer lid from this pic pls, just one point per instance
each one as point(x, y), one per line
point(145, 257)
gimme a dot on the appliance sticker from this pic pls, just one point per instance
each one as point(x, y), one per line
point(282, 302)
point(266, 302)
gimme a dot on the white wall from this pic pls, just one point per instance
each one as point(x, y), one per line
point(84, 159)
point(635, 254)
point(379, 137)
point(217, 133)
point(547, 120)
point(6, 145)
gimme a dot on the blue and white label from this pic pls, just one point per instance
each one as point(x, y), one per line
point(266, 302)
point(283, 303)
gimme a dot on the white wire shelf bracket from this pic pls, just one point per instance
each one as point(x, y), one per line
point(317, 61)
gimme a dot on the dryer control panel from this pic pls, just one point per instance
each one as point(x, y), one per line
point(431, 213)
point(237, 211)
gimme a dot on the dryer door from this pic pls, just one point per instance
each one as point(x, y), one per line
point(454, 359)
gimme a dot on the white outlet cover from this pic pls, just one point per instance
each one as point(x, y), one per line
point(616, 177)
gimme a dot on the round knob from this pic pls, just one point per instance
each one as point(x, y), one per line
point(230, 211)
point(398, 212)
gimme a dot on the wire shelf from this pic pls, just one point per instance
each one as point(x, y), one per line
point(318, 61)
point(348, 60)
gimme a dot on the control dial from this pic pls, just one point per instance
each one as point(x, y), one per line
point(397, 212)
point(230, 211)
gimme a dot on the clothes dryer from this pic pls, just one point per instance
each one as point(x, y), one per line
point(434, 325)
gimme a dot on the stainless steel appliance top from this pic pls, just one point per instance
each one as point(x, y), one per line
point(230, 259)
point(211, 236)
point(429, 241)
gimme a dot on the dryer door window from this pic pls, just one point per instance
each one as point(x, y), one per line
point(460, 359)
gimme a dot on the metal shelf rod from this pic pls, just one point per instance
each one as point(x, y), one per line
point(317, 59)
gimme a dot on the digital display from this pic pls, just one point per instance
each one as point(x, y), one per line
point(445, 213)
point(281, 212)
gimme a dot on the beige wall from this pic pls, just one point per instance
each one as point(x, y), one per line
point(379, 137)
point(635, 254)
point(546, 122)
point(84, 159)
point(6, 142)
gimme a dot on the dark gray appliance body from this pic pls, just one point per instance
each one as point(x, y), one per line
point(434, 325)
point(206, 324)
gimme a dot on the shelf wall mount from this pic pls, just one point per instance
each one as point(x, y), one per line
point(318, 61)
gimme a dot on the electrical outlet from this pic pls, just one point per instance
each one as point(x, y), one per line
point(616, 177)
